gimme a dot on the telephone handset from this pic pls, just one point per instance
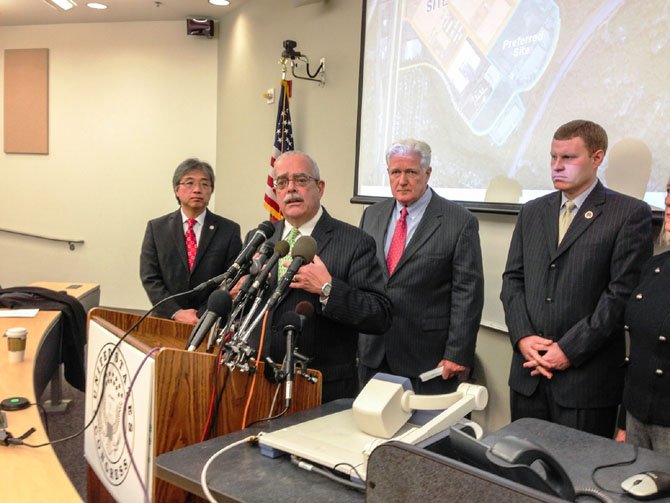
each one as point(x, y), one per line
point(512, 458)
point(520, 456)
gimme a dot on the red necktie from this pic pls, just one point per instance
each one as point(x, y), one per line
point(397, 242)
point(191, 243)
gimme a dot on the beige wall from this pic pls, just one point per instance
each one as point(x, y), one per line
point(131, 100)
point(128, 102)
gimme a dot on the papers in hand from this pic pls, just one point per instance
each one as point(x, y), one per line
point(431, 374)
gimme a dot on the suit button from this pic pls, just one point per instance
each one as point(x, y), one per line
point(659, 372)
point(552, 266)
point(548, 300)
point(638, 296)
point(662, 338)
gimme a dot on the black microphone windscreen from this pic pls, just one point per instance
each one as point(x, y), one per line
point(290, 319)
point(266, 249)
point(282, 248)
point(304, 247)
point(267, 229)
point(220, 302)
point(304, 308)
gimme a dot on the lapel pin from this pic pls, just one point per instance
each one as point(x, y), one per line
point(588, 215)
point(211, 227)
point(657, 270)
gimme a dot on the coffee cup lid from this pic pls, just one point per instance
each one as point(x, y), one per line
point(16, 332)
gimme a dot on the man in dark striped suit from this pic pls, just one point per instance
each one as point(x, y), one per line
point(344, 282)
point(433, 276)
point(574, 260)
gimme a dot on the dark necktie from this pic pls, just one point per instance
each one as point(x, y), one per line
point(397, 242)
point(191, 243)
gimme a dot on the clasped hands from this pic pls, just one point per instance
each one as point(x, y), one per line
point(543, 356)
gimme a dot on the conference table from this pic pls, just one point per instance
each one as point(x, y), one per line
point(32, 474)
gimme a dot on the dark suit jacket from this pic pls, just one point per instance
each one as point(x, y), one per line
point(576, 293)
point(437, 290)
point(647, 392)
point(356, 302)
point(164, 265)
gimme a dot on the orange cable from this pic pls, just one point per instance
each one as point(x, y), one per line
point(253, 379)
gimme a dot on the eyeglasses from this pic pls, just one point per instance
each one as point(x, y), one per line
point(191, 184)
point(409, 173)
point(298, 180)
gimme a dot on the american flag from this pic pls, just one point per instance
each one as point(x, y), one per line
point(283, 143)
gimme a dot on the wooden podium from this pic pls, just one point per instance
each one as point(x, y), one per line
point(182, 392)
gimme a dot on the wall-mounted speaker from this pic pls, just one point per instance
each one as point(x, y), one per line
point(200, 27)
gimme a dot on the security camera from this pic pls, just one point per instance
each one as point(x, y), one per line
point(289, 50)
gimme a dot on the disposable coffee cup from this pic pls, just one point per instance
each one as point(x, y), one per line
point(16, 343)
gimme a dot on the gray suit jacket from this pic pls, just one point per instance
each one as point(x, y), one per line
point(576, 293)
point(164, 264)
point(437, 290)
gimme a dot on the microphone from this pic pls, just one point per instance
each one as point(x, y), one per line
point(303, 253)
point(264, 231)
point(219, 304)
point(254, 270)
point(293, 323)
point(305, 309)
point(264, 253)
point(281, 250)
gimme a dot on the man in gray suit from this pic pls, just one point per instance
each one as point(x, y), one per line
point(165, 266)
point(574, 259)
point(433, 276)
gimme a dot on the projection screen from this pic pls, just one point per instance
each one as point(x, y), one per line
point(487, 82)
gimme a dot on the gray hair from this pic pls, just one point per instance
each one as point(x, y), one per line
point(310, 161)
point(410, 147)
point(192, 164)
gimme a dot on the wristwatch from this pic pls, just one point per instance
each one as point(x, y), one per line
point(325, 290)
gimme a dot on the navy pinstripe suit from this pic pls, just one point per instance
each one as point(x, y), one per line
point(164, 266)
point(356, 302)
point(576, 293)
point(437, 290)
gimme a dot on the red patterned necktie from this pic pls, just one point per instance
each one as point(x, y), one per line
point(191, 243)
point(397, 242)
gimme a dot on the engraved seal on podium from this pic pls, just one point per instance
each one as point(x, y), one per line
point(110, 447)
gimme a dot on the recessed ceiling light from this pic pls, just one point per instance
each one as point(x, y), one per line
point(219, 2)
point(96, 5)
point(61, 4)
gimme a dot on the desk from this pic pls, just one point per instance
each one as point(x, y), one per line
point(29, 474)
point(86, 293)
point(243, 474)
point(579, 453)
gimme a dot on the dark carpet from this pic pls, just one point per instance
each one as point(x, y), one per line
point(61, 425)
